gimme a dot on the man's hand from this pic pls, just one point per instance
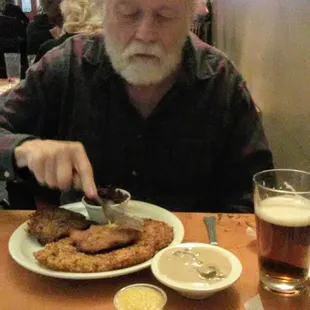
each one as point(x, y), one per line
point(57, 164)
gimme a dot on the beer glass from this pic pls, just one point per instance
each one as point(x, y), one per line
point(282, 212)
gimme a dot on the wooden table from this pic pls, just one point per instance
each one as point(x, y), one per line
point(21, 289)
point(4, 86)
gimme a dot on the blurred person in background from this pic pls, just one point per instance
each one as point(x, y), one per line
point(46, 25)
point(78, 18)
point(144, 106)
point(13, 24)
point(9, 8)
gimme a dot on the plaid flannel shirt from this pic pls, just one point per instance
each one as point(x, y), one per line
point(197, 151)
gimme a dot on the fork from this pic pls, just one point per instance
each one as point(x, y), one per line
point(210, 223)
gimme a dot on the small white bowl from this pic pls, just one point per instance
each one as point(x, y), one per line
point(218, 255)
point(95, 212)
point(142, 285)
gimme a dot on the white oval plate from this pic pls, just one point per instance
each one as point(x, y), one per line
point(22, 246)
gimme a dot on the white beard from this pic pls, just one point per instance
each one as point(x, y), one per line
point(139, 70)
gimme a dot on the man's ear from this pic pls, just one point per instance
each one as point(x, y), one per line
point(200, 7)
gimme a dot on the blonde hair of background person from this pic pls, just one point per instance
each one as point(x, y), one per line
point(80, 16)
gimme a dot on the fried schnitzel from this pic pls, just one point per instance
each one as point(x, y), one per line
point(51, 225)
point(64, 256)
point(102, 237)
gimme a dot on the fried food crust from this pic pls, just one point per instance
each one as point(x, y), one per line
point(51, 225)
point(64, 256)
point(103, 237)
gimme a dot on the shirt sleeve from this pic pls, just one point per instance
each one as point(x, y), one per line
point(21, 114)
point(247, 150)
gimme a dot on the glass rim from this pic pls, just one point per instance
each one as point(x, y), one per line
point(279, 190)
point(12, 54)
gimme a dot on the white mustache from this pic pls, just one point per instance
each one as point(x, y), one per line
point(145, 49)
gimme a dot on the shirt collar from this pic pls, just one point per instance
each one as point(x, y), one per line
point(94, 51)
point(200, 58)
point(95, 54)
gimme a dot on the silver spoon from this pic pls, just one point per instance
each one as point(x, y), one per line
point(206, 272)
point(210, 273)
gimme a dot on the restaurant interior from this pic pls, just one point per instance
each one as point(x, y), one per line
point(268, 42)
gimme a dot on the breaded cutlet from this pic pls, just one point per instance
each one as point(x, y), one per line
point(103, 237)
point(64, 256)
point(51, 225)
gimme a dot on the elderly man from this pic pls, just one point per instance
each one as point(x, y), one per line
point(144, 107)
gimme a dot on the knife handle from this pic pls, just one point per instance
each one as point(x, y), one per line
point(210, 223)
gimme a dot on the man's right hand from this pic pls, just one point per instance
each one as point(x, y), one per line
point(57, 164)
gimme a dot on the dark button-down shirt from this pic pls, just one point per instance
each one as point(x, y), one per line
point(197, 151)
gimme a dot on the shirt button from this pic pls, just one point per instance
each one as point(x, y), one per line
point(134, 173)
point(6, 174)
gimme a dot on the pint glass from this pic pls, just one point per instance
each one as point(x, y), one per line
point(282, 211)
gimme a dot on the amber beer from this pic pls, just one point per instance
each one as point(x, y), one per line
point(283, 232)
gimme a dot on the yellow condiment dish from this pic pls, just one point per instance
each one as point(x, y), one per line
point(140, 296)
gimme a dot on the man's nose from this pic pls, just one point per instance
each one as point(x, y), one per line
point(146, 30)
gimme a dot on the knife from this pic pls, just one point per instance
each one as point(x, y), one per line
point(119, 215)
point(115, 214)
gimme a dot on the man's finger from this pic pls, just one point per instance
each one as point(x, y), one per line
point(64, 170)
point(77, 183)
point(85, 172)
point(50, 171)
point(36, 164)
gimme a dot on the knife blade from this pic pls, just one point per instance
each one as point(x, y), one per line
point(119, 216)
point(114, 214)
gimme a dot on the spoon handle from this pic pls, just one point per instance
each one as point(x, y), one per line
point(210, 223)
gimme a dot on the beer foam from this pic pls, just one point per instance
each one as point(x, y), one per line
point(286, 210)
